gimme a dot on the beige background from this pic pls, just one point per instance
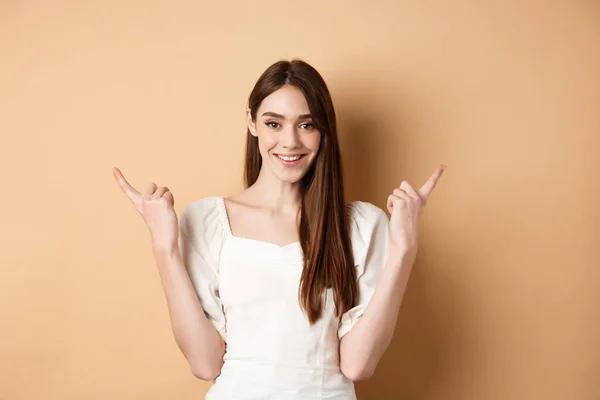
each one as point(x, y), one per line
point(504, 299)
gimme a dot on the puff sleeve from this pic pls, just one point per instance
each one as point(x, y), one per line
point(370, 245)
point(200, 239)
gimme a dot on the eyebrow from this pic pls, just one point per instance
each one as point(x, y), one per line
point(272, 114)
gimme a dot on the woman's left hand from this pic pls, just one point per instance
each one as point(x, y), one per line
point(405, 205)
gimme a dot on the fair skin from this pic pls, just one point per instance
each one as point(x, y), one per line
point(362, 347)
point(284, 128)
point(195, 335)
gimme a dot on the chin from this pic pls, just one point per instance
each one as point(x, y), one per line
point(290, 178)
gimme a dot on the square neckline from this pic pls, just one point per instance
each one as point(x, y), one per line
point(229, 232)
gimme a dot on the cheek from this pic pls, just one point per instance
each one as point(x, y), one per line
point(314, 142)
point(265, 144)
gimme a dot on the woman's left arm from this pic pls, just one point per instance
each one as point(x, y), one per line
point(362, 347)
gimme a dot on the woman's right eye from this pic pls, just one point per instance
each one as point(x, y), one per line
point(271, 123)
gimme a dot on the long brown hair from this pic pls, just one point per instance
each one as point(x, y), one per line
point(324, 216)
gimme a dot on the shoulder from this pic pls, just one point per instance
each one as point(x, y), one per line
point(202, 215)
point(364, 214)
point(368, 229)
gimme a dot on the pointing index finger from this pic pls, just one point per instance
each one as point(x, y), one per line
point(125, 186)
point(427, 188)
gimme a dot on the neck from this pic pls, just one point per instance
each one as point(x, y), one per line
point(275, 193)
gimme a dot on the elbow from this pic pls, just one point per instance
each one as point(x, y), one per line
point(357, 367)
point(357, 372)
point(206, 368)
point(205, 372)
point(206, 365)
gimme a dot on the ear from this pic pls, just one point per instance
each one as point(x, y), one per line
point(250, 123)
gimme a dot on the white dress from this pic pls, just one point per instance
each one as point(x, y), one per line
point(249, 291)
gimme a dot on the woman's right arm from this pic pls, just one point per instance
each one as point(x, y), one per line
point(196, 336)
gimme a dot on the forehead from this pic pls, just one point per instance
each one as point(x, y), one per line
point(287, 100)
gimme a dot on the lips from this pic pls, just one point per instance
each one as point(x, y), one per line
point(290, 160)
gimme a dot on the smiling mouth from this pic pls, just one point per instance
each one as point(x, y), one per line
point(290, 158)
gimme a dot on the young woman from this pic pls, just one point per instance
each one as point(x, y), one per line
point(284, 291)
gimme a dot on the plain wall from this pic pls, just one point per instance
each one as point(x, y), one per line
point(503, 302)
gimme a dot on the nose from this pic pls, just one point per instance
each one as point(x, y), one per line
point(289, 138)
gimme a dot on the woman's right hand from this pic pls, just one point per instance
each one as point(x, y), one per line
point(156, 207)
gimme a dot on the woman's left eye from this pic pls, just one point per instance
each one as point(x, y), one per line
point(310, 126)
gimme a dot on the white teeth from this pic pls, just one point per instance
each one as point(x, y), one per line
point(289, 158)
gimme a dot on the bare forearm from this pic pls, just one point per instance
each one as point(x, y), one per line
point(362, 347)
point(195, 335)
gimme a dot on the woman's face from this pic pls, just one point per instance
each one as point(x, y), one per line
point(287, 139)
